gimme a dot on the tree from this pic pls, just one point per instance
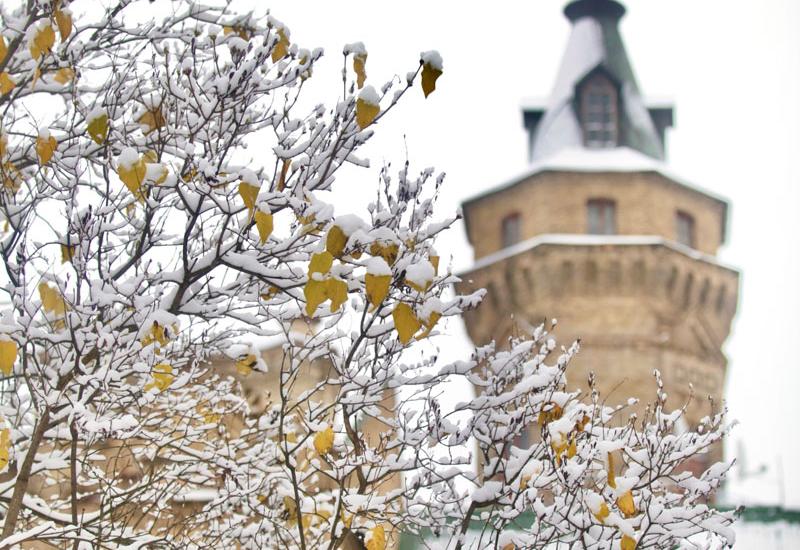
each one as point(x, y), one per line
point(143, 244)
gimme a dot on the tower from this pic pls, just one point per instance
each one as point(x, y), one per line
point(600, 234)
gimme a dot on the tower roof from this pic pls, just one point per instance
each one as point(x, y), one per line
point(595, 45)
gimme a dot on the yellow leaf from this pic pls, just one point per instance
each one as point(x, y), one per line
point(3, 145)
point(626, 505)
point(323, 441)
point(386, 251)
point(67, 252)
point(377, 288)
point(291, 508)
point(249, 194)
point(264, 225)
point(429, 76)
point(284, 170)
point(377, 539)
point(336, 241)
point(12, 179)
point(245, 364)
point(315, 293)
point(8, 355)
point(64, 75)
point(405, 322)
point(360, 67)
point(157, 334)
point(3, 48)
point(336, 290)
point(509, 546)
point(320, 263)
point(45, 147)
point(162, 378)
point(153, 119)
point(241, 32)
point(612, 482)
point(5, 444)
point(281, 48)
point(64, 23)
point(42, 42)
point(133, 176)
point(270, 293)
point(434, 260)
point(602, 513)
point(627, 543)
point(98, 128)
point(52, 300)
point(347, 519)
point(366, 112)
point(6, 83)
point(429, 323)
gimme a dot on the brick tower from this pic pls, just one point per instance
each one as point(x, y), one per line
point(600, 234)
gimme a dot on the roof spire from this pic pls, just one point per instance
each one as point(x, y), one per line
point(596, 102)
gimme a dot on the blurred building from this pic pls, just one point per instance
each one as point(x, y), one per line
point(602, 235)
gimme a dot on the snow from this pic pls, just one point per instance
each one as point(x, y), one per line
point(356, 48)
point(369, 95)
point(420, 273)
point(95, 113)
point(127, 158)
point(44, 132)
point(592, 240)
point(349, 223)
point(378, 266)
point(432, 58)
point(249, 177)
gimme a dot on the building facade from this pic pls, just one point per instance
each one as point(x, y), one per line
point(602, 235)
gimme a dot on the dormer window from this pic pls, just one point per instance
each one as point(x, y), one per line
point(599, 112)
point(511, 230)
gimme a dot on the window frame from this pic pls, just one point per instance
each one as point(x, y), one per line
point(512, 218)
point(685, 229)
point(607, 225)
point(603, 133)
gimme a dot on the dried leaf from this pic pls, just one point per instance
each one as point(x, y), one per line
point(336, 290)
point(162, 378)
point(360, 67)
point(320, 263)
point(6, 83)
point(336, 241)
point(42, 42)
point(245, 364)
point(264, 225)
point(52, 300)
point(5, 445)
point(429, 323)
point(281, 48)
point(612, 482)
point(377, 287)
point(627, 543)
point(12, 179)
point(366, 112)
point(8, 356)
point(386, 251)
point(64, 23)
point(153, 119)
point(45, 147)
point(405, 322)
point(98, 128)
point(602, 513)
point(626, 505)
point(249, 194)
point(323, 441)
point(157, 334)
point(67, 253)
point(377, 539)
point(64, 75)
point(429, 76)
point(315, 293)
point(3, 48)
point(284, 170)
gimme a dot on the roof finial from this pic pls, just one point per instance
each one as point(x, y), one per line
point(594, 8)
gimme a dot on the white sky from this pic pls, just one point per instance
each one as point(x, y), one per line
point(733, 70)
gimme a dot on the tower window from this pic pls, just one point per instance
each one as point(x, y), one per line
point(684, 228)
point(599, 112)
point(601, 217)
point(511, 230)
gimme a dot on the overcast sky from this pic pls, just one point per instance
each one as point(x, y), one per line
point(733, 69)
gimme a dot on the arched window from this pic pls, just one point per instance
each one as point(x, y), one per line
point(599, 112)
point(601, 217)
point(511, 230)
